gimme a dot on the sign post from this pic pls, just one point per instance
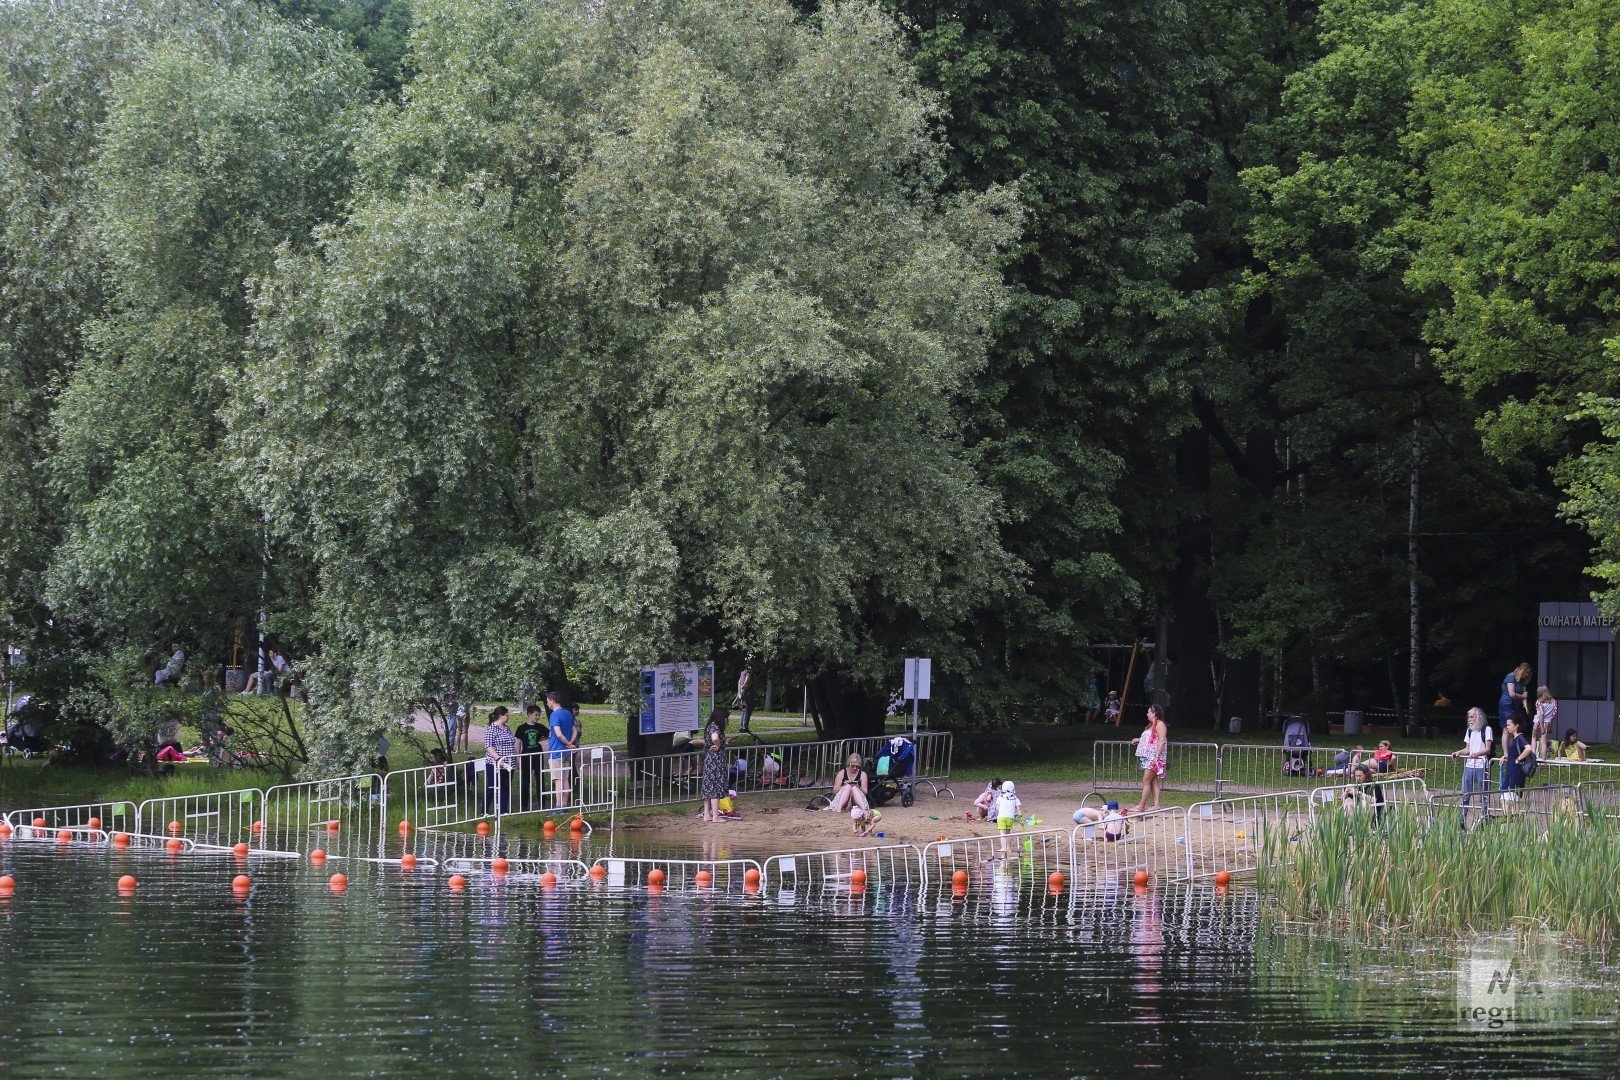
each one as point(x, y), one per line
point(919, 674)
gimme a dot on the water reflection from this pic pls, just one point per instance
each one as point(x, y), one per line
point(1006, 978)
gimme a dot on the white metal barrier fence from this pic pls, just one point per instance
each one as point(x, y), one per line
point(1599, 798)
point(723, 874)
point(107, 816)
point(893, 867)
point(1105, 850)
point(466, 792)
point(1377, 797)
point(1535, 805)
point(1033, 854)
point(1189, 766)
point(216, 821)
point(566, 871)
point(1231, 834)
point(666, 779)
point(342, 816)
point(932, 765)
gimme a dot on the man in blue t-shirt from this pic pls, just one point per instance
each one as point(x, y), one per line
point(564, 737)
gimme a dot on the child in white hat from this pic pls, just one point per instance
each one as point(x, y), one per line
point(1007, 810)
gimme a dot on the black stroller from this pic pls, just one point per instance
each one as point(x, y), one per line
point(891, 773)
point(1297, 747)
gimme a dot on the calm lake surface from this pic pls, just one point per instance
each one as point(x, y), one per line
point(504, 979)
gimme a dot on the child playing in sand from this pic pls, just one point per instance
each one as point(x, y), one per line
point(866, 820)
point(1007, 810)
point(987, 799)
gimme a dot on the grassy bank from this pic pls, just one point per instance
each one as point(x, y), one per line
point(1558, 873)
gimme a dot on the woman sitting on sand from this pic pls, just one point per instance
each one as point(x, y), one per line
point(849, 790)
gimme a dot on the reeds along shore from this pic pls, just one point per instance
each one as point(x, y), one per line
point(1414, 872)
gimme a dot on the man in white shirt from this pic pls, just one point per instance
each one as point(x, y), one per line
point(1476, 755)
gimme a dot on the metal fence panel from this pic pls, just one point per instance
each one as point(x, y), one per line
point(933, 764)
point(343, 816)
point(891, 867)
point(668, 779)
point(107, 816)
point(1232, 834)
point(1155, 841)
point(727, 875)
point(1189, 766)
point(1354, 796)
point(216, 821)
point(1033, 855)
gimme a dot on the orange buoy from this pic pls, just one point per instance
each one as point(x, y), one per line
point(127, 882)
point(120, 839)
point(332, 826)
point(857, 878)
point(317, 856)
point(483, 828)
point(407, 861)
point(960, 878)
point(704, 879)
point(241, 851)
point(751, 877)
point(174, 843)
point(457, 882)
point(549, 827)
point(258, 826)
point(241, 883)
point(404, 827)
point(7, 883)
point(5, 829)
point(94, 823)
point(339, 882)
point(1141, 878)
point(1223, 879)
point(40, 823)
point(576, 824)
point(174, 826)
point(655, 876)
point(1054, 881)
point(548, 880)
point(499, 865)
point(598, 872)
point(63, 836)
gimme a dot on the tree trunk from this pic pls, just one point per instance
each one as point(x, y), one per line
point(1414, 627)
point(1191, 628)
point(844, 711)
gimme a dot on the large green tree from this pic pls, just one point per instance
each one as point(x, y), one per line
point(644, 337)
point(212, 155)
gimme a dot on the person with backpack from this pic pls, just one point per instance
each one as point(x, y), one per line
point(1518, 761)
point(1476, 755)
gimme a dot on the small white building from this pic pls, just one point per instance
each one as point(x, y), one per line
point(1575, 660)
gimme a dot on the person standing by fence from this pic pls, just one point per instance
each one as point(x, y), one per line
point(1514, 702)
point(531, 739)
point(716, 765)
point(1476, 755)
point(500, 759)
point(564, 737)
point(1541, 735)
point(1151, 747)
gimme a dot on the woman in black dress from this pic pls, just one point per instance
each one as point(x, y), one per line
point(716, 769)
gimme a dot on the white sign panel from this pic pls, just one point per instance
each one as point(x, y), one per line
point(676, 697)
point(919, 673)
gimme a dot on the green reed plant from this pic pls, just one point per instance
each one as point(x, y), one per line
point(1412, 873)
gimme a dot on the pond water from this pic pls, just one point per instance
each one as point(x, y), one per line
point(505, 978)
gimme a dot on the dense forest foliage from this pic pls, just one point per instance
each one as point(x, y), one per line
point(482, 345)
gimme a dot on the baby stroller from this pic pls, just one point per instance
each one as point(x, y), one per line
point(890, 774)
point(1297, 746)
